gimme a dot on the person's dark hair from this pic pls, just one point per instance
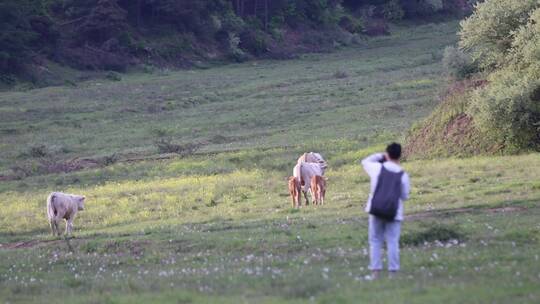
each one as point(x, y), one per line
point(394, 151)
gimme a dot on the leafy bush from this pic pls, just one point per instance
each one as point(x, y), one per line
point(489, 32)
point(509, 107)
point(458, 7)
point(421, 7)
point(392, 10)
point(38, 151)
point(235, 52)
point(340, 74)
point(253, 41)
point(23, 24)
point(377, 27)
point(166, 145)
point(114, 76)
point(456, 63)
point(351, 24)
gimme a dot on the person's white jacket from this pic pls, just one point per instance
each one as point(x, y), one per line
point(372, 165)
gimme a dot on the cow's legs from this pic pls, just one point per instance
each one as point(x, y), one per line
point(57, 226)
point(52, 223)
point(298, 197)
point(305, 196)
point(69, 227)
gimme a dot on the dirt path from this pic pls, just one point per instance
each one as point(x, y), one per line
point(27, 244)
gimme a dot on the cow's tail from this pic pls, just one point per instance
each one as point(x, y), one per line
point(297, 173)
point(51, 206)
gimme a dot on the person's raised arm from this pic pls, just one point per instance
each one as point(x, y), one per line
point(405, 187)
point(372, 163)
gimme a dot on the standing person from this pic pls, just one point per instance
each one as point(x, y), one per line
point(389, 189)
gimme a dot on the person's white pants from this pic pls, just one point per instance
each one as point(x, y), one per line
point(381, 230)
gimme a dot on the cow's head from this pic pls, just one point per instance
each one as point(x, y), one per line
point(317, 158)
point(80, 202)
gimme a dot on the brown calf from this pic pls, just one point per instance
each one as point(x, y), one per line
point(294, 190)
point(318, 189)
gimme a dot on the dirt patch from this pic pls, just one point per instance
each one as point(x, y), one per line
point(449, 130)
point(27, 244)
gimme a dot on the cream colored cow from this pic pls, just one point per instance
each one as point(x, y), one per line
point(303, 172)
point(63, 206)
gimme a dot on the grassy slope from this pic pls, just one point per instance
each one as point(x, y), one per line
point(258, 104)
point(218, 227)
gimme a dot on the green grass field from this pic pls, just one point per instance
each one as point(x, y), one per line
point(217, 226)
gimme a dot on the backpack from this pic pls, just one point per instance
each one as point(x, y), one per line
point(385, 200)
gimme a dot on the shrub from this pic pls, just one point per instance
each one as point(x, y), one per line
point(392, 10)
point(526, 45)
point(458, 7)
point(340, 74)
point(456, 63)
point(253, 41)
point(377, 27)
point(235, 52)
point(165, 145)
point(489, 32)
point(114, 76)
point(350, 24)
point(422, 7)
point(38, 151)
point(508, 108)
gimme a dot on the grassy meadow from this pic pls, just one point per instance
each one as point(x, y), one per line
point(217, 226)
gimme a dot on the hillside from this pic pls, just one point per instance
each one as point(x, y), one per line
point(211, 221)
point(262, 105)
point(58, 42)
point(492, 102)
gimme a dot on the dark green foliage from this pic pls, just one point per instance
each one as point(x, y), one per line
point(351, 24)
point(503, 37)
point(106, 20)
point(166, 145)
point(254, 42)
point(393, 10)
point(116, 34)
point(114, 76)
point(500, 43)
point(489, 32)
point(24, 27)
point(457, 64)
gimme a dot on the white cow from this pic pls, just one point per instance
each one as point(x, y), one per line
point(63, 206)
point(311, 157)
point(304, 171)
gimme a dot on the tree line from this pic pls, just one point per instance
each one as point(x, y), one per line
point(113, 34)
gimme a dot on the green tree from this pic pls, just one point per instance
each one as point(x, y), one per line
point(509, 106)
point(488, 34)
point(17, 36)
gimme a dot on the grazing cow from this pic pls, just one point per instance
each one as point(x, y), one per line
point(294, 190)
point(303, 172)
point(311, 157)
point(63, 206)
point(318, 189)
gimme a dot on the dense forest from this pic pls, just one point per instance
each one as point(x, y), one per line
point(117, 34)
